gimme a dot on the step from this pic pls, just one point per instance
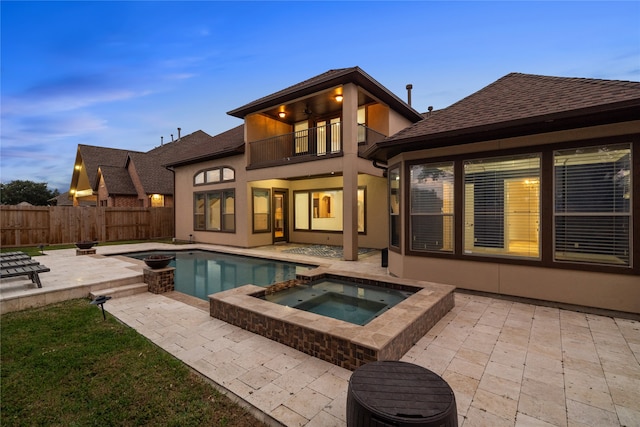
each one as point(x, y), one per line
point(120, 291)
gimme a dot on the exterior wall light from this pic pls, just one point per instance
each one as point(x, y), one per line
point(282, 114)
point(339, 98)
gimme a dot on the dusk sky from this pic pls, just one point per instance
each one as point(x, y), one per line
point(124, 74)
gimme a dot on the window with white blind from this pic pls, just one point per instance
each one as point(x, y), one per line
point(394, 207)
point(502, 206)
point(592, 204)
point(431, 207)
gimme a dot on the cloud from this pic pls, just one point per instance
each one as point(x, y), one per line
point(66, 94)
point(28, 129)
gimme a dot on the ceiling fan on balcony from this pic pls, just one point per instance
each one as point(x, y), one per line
point(307, 110)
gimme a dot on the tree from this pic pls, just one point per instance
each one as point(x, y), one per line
point(19, 191)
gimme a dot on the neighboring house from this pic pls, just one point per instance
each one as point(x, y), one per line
point(124, 178)
point(528, 187)
point(293, 172)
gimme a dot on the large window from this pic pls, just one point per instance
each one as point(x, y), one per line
point(431, 207)
point(321, 210)
point(394, 207)
point(592, 204)
point(502, 206)
point(214, 211)
point(261, 210)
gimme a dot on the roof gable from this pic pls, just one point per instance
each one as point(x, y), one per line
point(94, 157)
point(116, 180)
point(325, 81)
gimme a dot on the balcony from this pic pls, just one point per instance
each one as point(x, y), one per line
point(305, 145)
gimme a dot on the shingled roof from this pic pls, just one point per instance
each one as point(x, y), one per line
point(117, 180)
point(225, 144)
point(94, 157)
point(328, 80)
point(517, 104)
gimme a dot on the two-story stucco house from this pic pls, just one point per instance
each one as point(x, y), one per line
point(294, 170)
point(528, 187)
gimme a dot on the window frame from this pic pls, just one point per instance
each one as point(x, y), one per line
point(310, 217)
point(205, 175)
point(254, 190)
point(499, 248)
point(395, 217)
point(223, 195)
point(597, 216)
point(546, 259)
point(414, 214)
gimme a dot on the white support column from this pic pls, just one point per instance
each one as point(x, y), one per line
point(350, 171)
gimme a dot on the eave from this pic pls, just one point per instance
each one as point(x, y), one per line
point(350, 75)
point(206, 157)
point(574, 119)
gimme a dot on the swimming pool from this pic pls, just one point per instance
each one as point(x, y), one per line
point(202, 273)
point(340, 299)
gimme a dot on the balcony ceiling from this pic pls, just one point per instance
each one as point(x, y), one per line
point(315, 107)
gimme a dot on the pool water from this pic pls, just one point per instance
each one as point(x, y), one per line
point(202, 273)
point(340, 299)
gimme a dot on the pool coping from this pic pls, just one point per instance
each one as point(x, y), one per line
point(387, 337)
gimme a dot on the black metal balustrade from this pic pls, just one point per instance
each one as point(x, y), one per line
point(305, 145)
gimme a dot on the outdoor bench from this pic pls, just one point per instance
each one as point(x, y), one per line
point(27, 270)
point(11, 256)
point(17, 263)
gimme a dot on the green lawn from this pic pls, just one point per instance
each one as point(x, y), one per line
point(63, 365)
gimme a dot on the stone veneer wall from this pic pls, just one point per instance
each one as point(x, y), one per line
point(160, 280)
point(409, 336)
point(324, 345)
point(319, 344)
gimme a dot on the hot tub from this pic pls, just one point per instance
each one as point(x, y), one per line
point(387, 337)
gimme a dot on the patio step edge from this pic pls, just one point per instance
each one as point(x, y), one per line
point(121, 291)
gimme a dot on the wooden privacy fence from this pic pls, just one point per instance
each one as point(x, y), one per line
point(35, 225)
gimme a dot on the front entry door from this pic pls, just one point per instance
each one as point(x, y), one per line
point(280, 220)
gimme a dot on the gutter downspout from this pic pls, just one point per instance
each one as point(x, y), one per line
point(385, 168)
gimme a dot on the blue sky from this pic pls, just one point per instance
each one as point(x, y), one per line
point(123, 74)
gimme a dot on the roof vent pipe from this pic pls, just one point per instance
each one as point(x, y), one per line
point(162, 140)
point(178, 134)
point(171, 137)
point(409, 87)
point(430, 108)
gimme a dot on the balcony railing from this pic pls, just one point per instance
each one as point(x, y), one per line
point(305, 145)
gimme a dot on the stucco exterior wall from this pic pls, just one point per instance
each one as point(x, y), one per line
point(569, 284)
point(619, 292)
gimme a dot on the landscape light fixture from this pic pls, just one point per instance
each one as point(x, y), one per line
point(100, 300)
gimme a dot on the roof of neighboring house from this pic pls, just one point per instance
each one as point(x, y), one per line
point(117, 180)
point(112, 164)
point(153, 176)
point(64, 199)
point(518, 104)
point(225, 144)
point(94, 157)
point(325, 81)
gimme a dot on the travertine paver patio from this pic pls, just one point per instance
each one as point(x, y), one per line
point(509, 363)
